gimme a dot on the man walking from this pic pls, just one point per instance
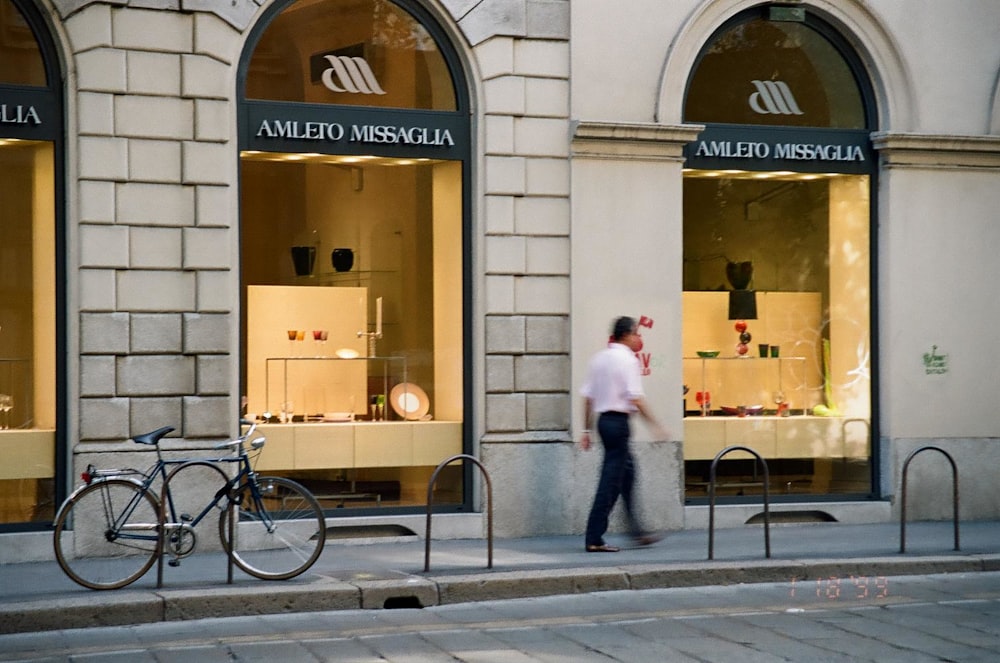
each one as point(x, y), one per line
point(612, 392)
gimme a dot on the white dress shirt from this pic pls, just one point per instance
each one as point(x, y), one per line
point(613, 380)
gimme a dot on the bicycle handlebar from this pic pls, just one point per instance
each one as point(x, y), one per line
point(231, 443)
point(256, 444)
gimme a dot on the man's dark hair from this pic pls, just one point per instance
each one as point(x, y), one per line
point(622, 327)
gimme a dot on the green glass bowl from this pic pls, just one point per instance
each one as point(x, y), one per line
point(708, 354)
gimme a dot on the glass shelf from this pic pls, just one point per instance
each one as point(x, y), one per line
point(386, 365)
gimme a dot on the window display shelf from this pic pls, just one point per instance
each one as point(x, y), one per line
point(777, 437)
point(321, 446)
point(28, 454)
point(385, 367)
point(758, 383)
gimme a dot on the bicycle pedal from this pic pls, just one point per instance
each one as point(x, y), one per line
point(186, 517)
point(174, 562)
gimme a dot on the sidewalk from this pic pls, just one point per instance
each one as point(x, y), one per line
point(389, 573)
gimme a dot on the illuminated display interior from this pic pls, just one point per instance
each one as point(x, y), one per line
point(27, 331)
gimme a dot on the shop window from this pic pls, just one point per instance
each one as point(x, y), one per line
point(777, 73)
point(777, 213)
point(353, 187)
point(364, 52)
point(21, 60)
point(28, 289)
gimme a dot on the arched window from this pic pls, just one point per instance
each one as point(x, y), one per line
point(371, 53)
point(777, 190)
point(354, 139)
point(21, 61)
point(31, 271)
point(775, 73)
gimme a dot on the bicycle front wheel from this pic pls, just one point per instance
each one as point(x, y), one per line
point(106, 535)
point(280, 530)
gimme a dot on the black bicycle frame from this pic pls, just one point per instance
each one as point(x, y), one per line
point(159, 469)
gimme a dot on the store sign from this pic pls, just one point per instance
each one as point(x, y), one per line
point(645, 358)
point(773, 98)
point(781, 148)
point(350, 74)
point(728, 149)
point(19, 114)
point(934, 363)
point(335, 132)
point(328, 129)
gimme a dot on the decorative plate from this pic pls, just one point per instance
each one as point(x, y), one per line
point(409, 401)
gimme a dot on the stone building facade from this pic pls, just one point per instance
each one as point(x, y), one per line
point(575, 212)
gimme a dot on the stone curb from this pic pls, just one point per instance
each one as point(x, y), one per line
point(406, 590)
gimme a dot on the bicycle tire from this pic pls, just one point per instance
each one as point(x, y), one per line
point(294, 541)
point(85, 548)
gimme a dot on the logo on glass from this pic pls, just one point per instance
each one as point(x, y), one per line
point(773, 98)
point(350, 74)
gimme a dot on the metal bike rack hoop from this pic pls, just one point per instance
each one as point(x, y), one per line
point(489, 504)
point(711, 499)
point(162, 525)
point(954, 493)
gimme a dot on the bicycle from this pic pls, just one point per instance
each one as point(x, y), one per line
point(107, 531)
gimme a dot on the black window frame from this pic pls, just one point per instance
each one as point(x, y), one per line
point(458, 120)
point(869, 167)
point(48, 102)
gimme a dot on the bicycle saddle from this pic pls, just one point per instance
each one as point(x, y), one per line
point(154, 437)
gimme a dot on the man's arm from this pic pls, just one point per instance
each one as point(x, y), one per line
point(588, 413)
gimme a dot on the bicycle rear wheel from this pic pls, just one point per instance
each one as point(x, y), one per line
point(106, 535)
point(279, 533)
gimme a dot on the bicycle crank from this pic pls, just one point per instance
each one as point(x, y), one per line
point(181, 541)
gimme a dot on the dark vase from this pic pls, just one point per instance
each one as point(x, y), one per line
point(739, 274)
point(303, 259)
point(343, 259)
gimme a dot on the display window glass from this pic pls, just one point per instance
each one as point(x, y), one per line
point(777, 73)
point(27, 332)
point(31, 287)
point(21, 60)
point(357, 52)
point(778, 291)
point(352, 254)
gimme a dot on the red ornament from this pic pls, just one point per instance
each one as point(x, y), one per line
point(740, 326)
point(741, 349)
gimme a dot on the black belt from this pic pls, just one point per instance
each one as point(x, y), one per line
point(613, 413)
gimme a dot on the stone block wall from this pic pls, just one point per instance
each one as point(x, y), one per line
point(152, 97)
point(523, 60)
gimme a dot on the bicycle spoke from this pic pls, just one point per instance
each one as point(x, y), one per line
point(279, 534)
point(92, 544)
